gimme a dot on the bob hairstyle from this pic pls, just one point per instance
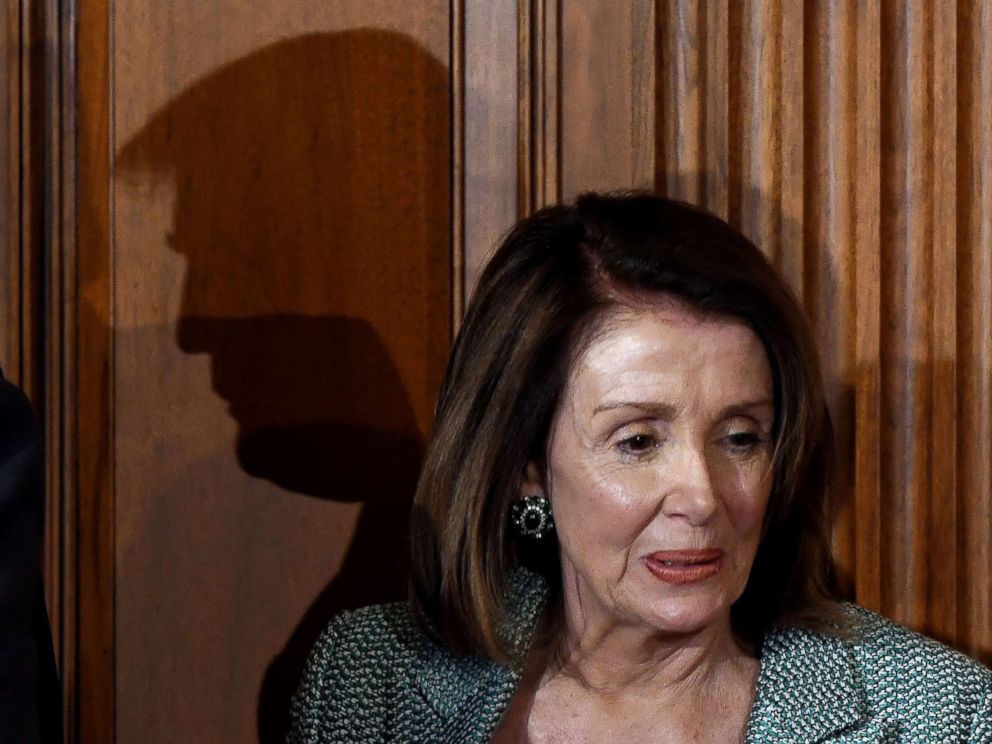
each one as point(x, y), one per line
point(538, 301)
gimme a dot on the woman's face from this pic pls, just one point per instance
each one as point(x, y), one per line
point(658, 469)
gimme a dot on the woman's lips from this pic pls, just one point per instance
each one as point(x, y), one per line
point(684, 566)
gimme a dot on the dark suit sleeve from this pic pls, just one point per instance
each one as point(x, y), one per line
point(26, 660)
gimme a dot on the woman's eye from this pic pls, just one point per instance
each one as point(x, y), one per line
point(743, 441)
point(638, 443)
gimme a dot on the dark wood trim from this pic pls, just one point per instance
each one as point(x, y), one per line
point(60, 313)
point(37, 278)
point(92, 507)
point(457, 67)
point(488, 129)
point(23, 84)
point(494, 111)
point(10, 190)
point(538, 97)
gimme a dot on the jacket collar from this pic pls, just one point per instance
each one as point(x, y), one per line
point(809, 687)
point(450, 683)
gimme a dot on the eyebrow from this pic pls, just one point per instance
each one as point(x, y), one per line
point(667, 411)
point(664, 411)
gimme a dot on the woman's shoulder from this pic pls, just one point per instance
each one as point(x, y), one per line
point(350, 673)
point(375, 674)
point(890, 653)
point(362, 648)
point(873, 676)
point(377, 631)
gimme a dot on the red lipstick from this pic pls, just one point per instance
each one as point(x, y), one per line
point(684, 566)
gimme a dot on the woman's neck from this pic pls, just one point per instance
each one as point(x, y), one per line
point(615, 659)
point(605, 683)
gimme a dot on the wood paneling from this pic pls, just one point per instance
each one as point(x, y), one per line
point(223, 200)
point(22, 193)
point(37, 306)
point(506, 66)
point(974, 325)
point(485, 58)
point(264, 305)
point(89, 678)
point(607, 95)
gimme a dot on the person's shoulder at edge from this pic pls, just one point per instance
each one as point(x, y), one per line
point(375, 671)
point(350, 669)
point(892, 654)
point(901, 678)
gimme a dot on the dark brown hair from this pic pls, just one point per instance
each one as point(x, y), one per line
point(551, 278)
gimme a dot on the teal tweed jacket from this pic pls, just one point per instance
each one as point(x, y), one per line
point(375, 676)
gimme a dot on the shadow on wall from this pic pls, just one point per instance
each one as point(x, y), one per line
point(312, 206)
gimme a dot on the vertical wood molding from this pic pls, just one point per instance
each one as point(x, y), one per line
point(644, 93)
point(487, 131)
point(507, 123)
point(944, 578)
point(10, 166)
point(974, 337)
point(91, 510)
point(824, 273)
point(608, 95)
point(23, 84)
point(59, 332)
point(456, 64)
point(865, 437)
point(538, 130)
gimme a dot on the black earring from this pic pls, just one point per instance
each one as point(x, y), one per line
point(531, 516)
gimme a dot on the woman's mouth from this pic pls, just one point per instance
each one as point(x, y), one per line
point(684, 566)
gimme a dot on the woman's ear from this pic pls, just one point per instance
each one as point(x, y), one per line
point(533, 481)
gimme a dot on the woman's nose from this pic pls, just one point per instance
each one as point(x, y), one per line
point(689, 492)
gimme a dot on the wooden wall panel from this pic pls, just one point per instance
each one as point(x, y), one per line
point(851, 141)
point(89, 677)
point(22, 191)
point(974, 325)
point(10, 147)
point(607, 95)
point(506, 124)
point(264, 306)
point(485, 62)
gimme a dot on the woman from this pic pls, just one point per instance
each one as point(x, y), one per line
point(621, 531)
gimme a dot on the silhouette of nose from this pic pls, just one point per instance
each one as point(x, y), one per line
point(690, 495)
point(195, 334)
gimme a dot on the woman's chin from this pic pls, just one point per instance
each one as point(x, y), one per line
point(687, 615)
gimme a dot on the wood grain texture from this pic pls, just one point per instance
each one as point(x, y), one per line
point(864, 436)
point(61, 314)
point(23, 85)
point(282, 301)
point(539, 123)
point(252, 283)
point(598, 106)
point(491, 127)
point(974, 326)
point(508, 123)
point(851, 140)
point(36, 270)
point(10, 147)
point(89, 678)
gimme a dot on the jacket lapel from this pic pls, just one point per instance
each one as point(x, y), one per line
point(470, 693)
point(809, 690)
point(809, 687)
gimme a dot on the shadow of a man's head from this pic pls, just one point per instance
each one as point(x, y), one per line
point(311, 203)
